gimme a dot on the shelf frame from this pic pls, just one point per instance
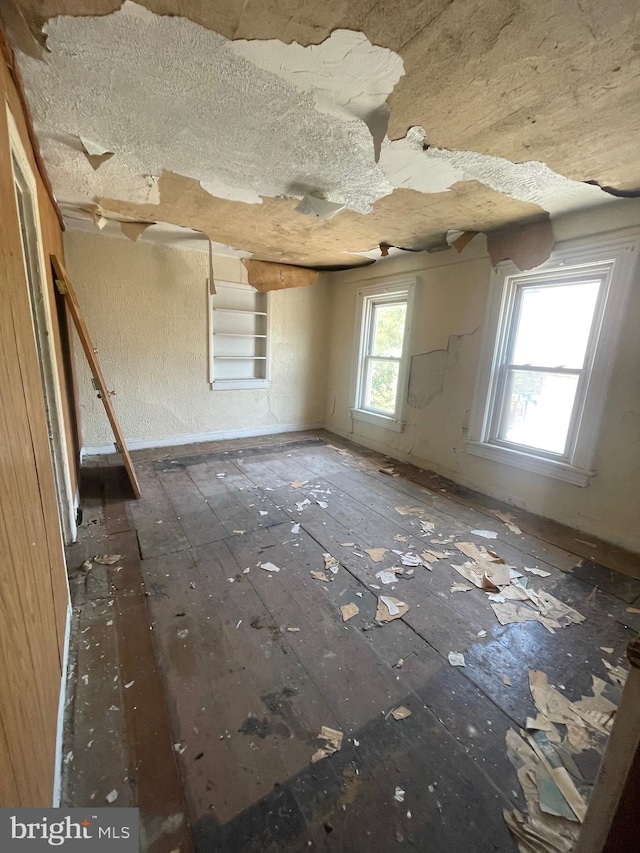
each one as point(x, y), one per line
point(236, 383)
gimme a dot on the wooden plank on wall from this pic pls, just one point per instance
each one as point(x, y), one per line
point(33, 585)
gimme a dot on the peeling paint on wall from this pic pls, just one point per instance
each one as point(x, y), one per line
point(428, 371)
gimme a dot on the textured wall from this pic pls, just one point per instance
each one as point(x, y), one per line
point(447, 333)
point(146, 311)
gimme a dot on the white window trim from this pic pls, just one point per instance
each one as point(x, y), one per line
point(365, 295)
point(618, 258)
point(236, 384)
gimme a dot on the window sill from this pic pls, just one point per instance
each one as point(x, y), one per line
point(385, 421)
point(238, 384)
point(536, 464)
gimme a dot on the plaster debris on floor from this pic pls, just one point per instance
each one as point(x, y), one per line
point(430, 655)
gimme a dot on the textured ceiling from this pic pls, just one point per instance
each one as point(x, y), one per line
point(219, 117)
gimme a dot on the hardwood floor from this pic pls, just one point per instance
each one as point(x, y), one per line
point(252, 663)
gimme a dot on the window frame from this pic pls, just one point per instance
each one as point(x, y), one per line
point(613, 263)
point(369, 297)
point(27, 211)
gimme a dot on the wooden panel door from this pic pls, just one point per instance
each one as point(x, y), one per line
point(33, 590)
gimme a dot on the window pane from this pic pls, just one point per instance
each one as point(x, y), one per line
point(538, 408)
point(554, 324)
point(382, 385)
point(388, 330)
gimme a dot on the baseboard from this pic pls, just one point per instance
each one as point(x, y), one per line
point(195, 438)
point(57, 776)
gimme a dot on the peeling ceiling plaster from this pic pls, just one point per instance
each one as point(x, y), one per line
point(157, 233)
point(257, 122)
point(275, 231)
point(407, 164)
point(208, 114)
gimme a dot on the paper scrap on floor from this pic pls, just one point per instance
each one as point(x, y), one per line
point(390, 608)
point(509, 521)
point(330, 563)
point(349, 611)
point(320, 576)
point(410, 510)
point(400, 713)
point(333, 742)
point(376, 554)
point(487, 534)
point(387, 577)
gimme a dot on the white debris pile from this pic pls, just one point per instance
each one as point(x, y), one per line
point(512, 600)
point(556, 800)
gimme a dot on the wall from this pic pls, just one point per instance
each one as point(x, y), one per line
point(145, 307)
point(33, 585)
point(449, 314)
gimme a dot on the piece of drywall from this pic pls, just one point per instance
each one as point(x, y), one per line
point(146, 309)
point(447, 335)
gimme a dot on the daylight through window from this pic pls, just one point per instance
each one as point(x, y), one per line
point(549, 345)
point(545, 364)
point(384, 321)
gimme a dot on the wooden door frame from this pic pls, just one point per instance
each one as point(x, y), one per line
point(43, 328)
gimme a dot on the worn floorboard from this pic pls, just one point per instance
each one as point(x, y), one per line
point(247, 664)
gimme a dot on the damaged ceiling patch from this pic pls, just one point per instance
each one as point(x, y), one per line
point(407, 165)
point(274, 231)
point(412, 164)
point(211, 114)
point(96, 154)
point(349, 77)
point(156, 233)
point(318, 207)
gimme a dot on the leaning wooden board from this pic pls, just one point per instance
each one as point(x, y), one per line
point(64, 286)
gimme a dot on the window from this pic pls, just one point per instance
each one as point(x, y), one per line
point(380, 386)
point(239, 342)
point(547, 358)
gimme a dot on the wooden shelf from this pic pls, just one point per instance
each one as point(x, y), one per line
point(240, 311)
point(240, 327)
